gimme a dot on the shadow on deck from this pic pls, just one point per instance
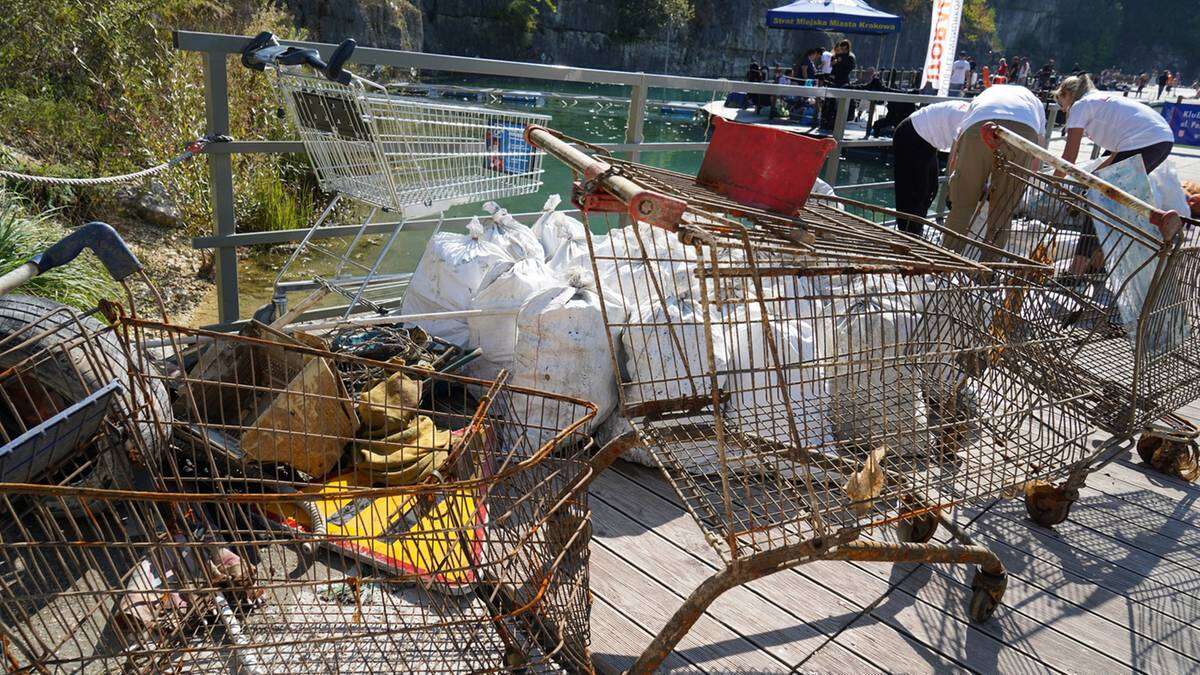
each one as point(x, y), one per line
point(1114, 589)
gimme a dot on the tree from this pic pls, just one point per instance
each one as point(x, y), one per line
point(677, 13)
point(979, 26)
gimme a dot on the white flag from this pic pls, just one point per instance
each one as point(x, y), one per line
point(943, 43)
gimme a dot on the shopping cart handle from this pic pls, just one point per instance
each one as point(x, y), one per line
point(261, 50)
point(264, 49)
point(104, 242)
point(333, 70)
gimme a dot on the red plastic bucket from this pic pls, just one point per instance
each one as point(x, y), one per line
point(762, 167)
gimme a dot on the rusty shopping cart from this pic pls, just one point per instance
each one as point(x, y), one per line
point(393, 154)
point(1115, 330)
point(308, 511)
point(805, 374)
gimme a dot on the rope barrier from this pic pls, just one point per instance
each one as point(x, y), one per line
point(194, 148)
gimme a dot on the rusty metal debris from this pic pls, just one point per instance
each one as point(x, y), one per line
point(268, 514)
point(817, 374)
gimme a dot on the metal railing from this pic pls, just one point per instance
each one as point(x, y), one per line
point(217, 50)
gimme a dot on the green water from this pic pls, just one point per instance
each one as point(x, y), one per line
point(595, 122)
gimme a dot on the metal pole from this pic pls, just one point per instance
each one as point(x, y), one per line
point(839, 134)
point(1051, 117)
point(635, 122)
point(895, 50)
point(220, 185)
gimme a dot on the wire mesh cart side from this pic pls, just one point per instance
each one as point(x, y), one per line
point(390, 154)
point(317, 512)
point(1117, 331)
point(807, 376)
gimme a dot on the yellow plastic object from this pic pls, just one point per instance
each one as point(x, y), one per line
point(436, 537)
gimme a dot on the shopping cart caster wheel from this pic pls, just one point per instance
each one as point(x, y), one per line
point(1048, 505)
point(1170, 456)
point(987, 590)
point(917, 530)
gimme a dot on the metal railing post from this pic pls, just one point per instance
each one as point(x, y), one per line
point(1051, 118)
point(839, 134)
point(635, 121)
point(220, 181)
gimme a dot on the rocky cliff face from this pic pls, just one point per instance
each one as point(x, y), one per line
point(720, 41)
point(394, 24)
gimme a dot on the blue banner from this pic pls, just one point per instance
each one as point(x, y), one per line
point(1184, 119)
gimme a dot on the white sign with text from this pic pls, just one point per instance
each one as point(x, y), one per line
point(943, 42)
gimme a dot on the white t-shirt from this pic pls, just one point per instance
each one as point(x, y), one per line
point(958, 72)
point(1118, 124)
point(826, 62)
point(938, 123)
point(1006, 102)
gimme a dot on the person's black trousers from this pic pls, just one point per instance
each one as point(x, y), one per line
point(916, 172)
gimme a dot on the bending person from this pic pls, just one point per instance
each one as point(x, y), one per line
point(971, 165)
point(1123, 128)
point(916, 143)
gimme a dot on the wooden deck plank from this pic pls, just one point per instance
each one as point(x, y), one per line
point(1099, 543)
point(1111, 639)
point(1178, 505)
point(931, 623)
point(1052, 547)
point(617, 641)
point(764, 625)
point(1181, 535)
point(1026, 558)
point(1114, 589)
point(945, 589)
point(710, 645)
point(804, 601)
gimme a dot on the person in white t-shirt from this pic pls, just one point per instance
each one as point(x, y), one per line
point(1015, 108)
point(958, 75)
point(826, 63)
point(916, 144)
point(1122, 127)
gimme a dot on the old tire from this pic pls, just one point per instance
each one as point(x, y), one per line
point(72, 371)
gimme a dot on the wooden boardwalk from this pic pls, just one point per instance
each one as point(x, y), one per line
point(1114, 589)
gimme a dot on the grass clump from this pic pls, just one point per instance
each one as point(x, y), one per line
point(82, 284)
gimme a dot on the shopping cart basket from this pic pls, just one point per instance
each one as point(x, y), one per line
point(806, 376)
point(393, 154)
point(316, 512)
point(1116, 329)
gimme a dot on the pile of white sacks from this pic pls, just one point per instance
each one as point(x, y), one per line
point(540, 317)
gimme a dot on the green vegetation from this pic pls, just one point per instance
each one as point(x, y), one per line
point(95, 88)
point(639, 18)
point(979, 26)
point(522, 18)
point(81, 284)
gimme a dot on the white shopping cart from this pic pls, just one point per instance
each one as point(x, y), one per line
point(392, 154)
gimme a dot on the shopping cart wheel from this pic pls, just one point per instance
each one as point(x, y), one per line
point(1172, 452)
point(1048, 505)
point(918, 529)
point(987, 590)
